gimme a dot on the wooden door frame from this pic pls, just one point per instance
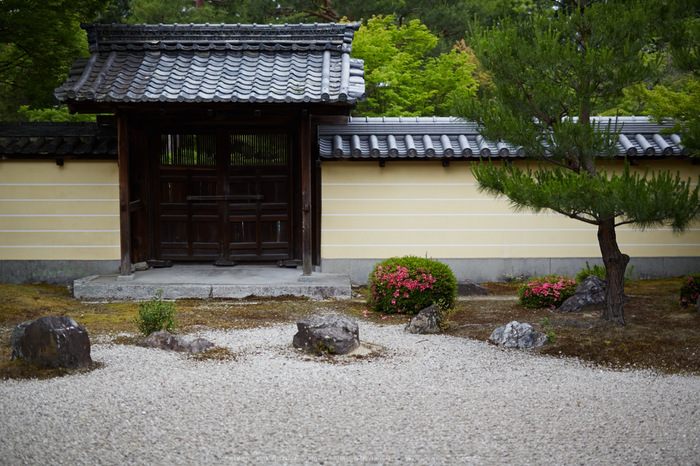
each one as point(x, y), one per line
point(302, 120)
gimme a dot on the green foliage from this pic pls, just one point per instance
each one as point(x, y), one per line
point(597, 271)
point(645, 200)
point(677, 104)
point(447, 19)
point(547, 328)
point(546, 292)
point(39, 40)
point(401, 78)
point(544, 70)
point(174, 11)
point(155, 315)
point(690, 290)
point(409, 284)
point(55, 114)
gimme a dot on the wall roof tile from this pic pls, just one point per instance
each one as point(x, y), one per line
point(451, 138)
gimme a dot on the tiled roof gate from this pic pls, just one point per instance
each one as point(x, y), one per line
point(235, 63)
point(450, 138)
point(220, 78)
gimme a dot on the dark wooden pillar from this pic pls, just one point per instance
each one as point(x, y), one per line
point(306, 198)
point(124, 201)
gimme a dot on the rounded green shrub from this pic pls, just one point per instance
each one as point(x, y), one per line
point(690, 290)
point(155, 315)
point(408, 284)
point(546, 292)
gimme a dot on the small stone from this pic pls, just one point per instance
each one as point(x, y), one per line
point(426, 321)
point(164, 340)
point(139, 267)
point(199, 345)
point(518, 335)
point(331, 334)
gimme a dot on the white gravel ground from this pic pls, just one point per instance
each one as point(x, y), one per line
point(427, 400)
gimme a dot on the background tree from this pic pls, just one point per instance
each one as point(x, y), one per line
point(447, 19)
point(39, 40)
point(552, 70)
point(680, 101)
point(672, 95)
point(400, 76)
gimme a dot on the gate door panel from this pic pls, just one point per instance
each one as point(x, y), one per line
point(224, 197)
point(188, 230)
point(259, 179)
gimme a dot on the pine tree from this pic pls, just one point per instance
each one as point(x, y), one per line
point(551, 71)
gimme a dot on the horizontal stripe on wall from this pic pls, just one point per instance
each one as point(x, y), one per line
point(449, 214)
point(59, 215)
point(399, 184)
point(495, 229)
point(59, 231)
point(478, 199)
point(59, 200)
point(76, 246)
point(472, 245)
point(59, 184)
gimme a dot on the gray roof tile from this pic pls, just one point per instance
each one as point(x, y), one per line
point(450, 138)
point(220, 63)
point(20, 140)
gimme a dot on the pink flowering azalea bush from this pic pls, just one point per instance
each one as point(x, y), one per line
point(690, 290)
point(546, 292)
point(406, 285)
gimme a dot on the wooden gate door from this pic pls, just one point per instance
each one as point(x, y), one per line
point(224, 197)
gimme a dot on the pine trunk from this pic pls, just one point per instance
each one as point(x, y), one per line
point(615, 266)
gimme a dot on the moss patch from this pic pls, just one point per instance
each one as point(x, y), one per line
point(659, 335)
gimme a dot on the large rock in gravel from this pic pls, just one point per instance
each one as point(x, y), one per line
point(426, 321)
point(518, 335)
point(332, 334)
point(470, 288)
point(591, 291)
point(164, 340)
point(53, 341)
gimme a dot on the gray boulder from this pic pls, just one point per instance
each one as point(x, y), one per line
point(16, 340)
point(164, 340)
point(470, 288)
point(53, 341)
point(426, 321)
point(591, 291)
point(331, 334)
point(518, 335)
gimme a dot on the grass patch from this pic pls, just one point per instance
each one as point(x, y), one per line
point(659, 335)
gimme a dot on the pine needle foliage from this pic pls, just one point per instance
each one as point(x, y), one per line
point(647, 200)
point(552, 71)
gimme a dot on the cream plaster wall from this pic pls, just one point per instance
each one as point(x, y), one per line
point(51, 212)
point(425, 209)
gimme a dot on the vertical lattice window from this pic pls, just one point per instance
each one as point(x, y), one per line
point(188, 149)
point(259, 149)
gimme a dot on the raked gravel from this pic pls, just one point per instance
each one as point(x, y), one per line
point(427, 400)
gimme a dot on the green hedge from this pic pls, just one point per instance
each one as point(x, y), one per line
point(408, 284)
